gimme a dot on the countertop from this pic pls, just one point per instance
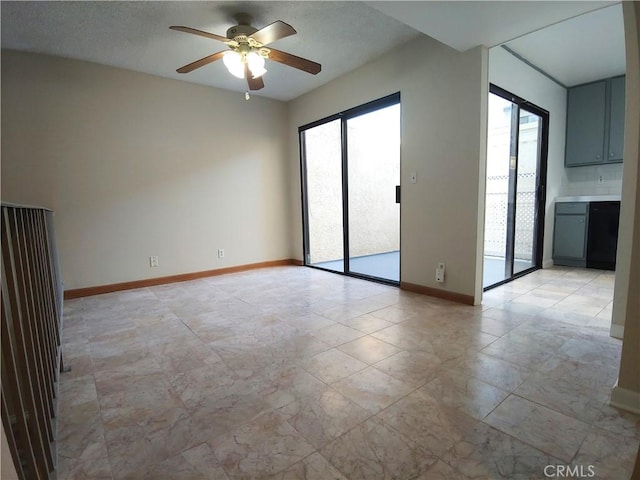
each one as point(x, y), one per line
point(589, 198)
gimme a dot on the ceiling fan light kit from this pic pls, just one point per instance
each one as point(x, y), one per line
point(233, 61)
point(246, 55)
point(256, 64)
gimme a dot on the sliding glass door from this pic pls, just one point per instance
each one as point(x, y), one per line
point(515, 187)
point(373, 152)
point(323, 152)
point(350, 171)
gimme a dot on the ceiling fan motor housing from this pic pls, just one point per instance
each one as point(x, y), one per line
point(240, 30)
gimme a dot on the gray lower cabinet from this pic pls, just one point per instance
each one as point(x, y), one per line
point(570, 234)
point(595, 123)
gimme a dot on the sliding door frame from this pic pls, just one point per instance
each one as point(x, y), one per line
point(541, 183)
point(388, 101)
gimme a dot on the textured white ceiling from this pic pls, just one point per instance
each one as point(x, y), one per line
point(467, 24)
point(339, 35)
point(580, 50)
point(135, 35)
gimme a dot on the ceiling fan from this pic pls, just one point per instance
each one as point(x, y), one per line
point(246, 54)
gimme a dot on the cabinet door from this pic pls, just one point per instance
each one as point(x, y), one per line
point(569, 236)
point(585, 124)
point(616, 124)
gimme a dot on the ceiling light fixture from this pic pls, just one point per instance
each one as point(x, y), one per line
point(233, 61)
point(245, 52)
point(256, 64)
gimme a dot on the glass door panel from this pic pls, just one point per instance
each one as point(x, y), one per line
point(497, 204)
point(373, 152)
point(322, 150)
point(530, 125)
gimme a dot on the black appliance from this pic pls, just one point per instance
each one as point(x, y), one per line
point(602, 236)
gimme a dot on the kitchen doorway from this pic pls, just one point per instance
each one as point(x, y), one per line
point(517, 141)
point(350, 164)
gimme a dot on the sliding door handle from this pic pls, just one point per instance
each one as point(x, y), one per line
point(397, 193)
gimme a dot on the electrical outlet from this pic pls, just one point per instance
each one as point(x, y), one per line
point(601, 179)
point(153, 261)
point(440, 272)
point(221, 253)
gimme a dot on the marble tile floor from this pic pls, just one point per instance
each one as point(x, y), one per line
point(295, 373)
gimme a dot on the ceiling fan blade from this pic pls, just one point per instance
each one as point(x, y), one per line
point(294, 61)
point(254, 83)
point(202, 62)
point(273, 32)
point(200, 32)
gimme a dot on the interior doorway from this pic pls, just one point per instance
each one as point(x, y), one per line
point(350, 165)
point(517, 140)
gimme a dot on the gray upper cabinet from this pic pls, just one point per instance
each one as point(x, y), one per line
point(616, 126)
point(595, 123)
point(585, 124)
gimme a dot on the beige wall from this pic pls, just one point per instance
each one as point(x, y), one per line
point(626, 306)
point(7, 468)
point(136, 165)
point(444, 95)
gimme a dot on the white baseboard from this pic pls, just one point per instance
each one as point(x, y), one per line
point(625, 399)
point(616, 331)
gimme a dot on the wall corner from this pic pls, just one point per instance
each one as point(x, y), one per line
point(482, 172)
